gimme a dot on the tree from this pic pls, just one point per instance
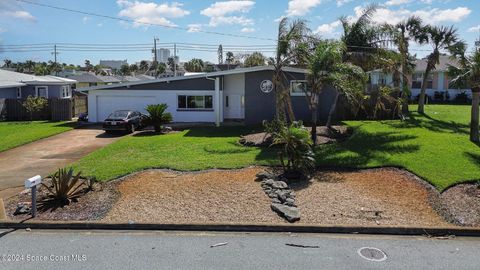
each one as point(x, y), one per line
point(172, 64)
point(255, 59)
point(157, 116)
point(290, 45)
point(143, 65)
point(34, 104)
point(230, 58)
point(326, 67)
point(88, 65)
point(7, 63)
point(441, 38)
point(467, 73)
point(401, 34)
point(133, 68)
point(29, 66)
point(125, 70)
point(161, 68)
point(194, 65)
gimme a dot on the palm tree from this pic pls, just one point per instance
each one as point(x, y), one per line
point(29, 65)
point(467, 73)
point(441, 38)
point(161, 68)
point(401, 34)
point(255, 59)
point(7, 62)
point(125, 70)
point(291, 42)
point(158, 115)
point(143, 65)
point(133, 68)
point(230, 58)
point(362, 38)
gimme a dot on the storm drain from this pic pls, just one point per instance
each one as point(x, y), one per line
point(372, 254)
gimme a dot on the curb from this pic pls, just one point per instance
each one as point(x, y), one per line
point(429, 231)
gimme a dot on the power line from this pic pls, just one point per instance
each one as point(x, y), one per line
point(137, 22)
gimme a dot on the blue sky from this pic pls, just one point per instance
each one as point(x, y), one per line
point(22, 23)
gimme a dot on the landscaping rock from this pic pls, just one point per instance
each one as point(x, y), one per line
point(279, 185)
point(22, 209)
point(269, 182)
point(291, 214)
point(276, 200)
point(289, 202)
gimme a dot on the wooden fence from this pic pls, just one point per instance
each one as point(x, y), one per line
point(56, 110)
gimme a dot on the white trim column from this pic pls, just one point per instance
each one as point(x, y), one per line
point(217, 102)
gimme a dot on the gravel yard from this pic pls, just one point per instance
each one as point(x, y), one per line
point(369, 197)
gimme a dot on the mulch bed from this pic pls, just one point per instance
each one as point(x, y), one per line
point(324, 136)
point(92, 205)
point(463, 202)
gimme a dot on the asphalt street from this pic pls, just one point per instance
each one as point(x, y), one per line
point(196, 250)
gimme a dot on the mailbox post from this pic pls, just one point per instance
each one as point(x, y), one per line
point(32, 183)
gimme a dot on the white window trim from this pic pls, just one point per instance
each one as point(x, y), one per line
point(19, 92)
point(41, 86)
point(66, 92)
point(195, 109)
point(302, 94)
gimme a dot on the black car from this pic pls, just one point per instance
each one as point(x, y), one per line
point(124, 120)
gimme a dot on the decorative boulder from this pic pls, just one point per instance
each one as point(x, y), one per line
point(290, 213)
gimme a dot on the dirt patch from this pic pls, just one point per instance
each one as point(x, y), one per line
point(93, 205)
point(369, 197)
point(324, 136)
point(463, 202)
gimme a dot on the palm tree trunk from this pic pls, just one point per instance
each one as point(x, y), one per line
point(314, 124)
point(421, 100)
point(288, 104)
point(333, 108)
point(474, 123)
point(404, 94)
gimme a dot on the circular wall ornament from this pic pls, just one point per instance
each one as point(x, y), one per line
point(266, 86)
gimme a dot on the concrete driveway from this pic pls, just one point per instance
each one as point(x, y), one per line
point(45, 156)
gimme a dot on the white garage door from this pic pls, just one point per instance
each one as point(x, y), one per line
point(108, 104)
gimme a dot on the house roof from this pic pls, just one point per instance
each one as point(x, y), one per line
point(445, 62)
point(15, 79)
point(93, 78)
point(203, 75)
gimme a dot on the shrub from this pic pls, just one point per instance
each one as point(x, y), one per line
point(462, 97)
point(296, 155)
point(65, 186)
point(34, 104)
point(273, 126)
point(158, 116)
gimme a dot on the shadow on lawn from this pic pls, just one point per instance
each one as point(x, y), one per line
point(430, 123)
point(363, 148)
point(474, 158)
point(233, 131)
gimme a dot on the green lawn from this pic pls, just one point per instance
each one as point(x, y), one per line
point(13, 134)
point(435, 147)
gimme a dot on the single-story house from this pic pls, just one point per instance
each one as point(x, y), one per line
point(242, 94)
point(15, 85)
point(88, 79)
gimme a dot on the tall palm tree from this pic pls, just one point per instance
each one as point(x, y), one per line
point(401, 34)
point(133, 68)
point(326, 67)
point(290, 41)
point(230, 58)
point(29, 65)
point(195, 65)
point(143, 65)
point(467, 74)
point(441, 38)
point(7, 63)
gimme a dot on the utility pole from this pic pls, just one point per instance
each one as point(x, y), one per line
point(55, 58)
point(175, 59)
point(155, 60)
point(220, 54)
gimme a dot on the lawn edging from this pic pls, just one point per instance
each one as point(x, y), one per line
point(220, 227)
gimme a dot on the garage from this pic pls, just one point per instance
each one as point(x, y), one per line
point(105, 105)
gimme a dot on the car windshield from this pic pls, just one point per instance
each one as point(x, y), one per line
point(119, 115)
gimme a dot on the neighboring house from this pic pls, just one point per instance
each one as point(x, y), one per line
point(243, 94)
point(135, 78)
point(89, 79)
point(438, 84)
point(15, 85)
point(113, 64)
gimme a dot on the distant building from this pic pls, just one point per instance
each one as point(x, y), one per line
point(89, 79)
point(113, 64)
point(162, 55)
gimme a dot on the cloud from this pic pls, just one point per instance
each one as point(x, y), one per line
point(397, 2)
point(474, 29)
point(301, 7)
point(19, 14)
point(247, 30)
point(327, 29)
point(343, 2)
point(430, 16)
point(194, 27)
point(85, 19)
point(151, 13)
point(228, 12)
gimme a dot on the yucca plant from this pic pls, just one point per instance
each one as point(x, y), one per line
point(296, 155)
point(158, 116)
point(65, 185)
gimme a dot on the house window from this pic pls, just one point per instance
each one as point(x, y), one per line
point(19, 92)
point(41, 91)
point(298, 87)
point(226, 101)
point(66, 92)
point(417, 80)
point(195, 102)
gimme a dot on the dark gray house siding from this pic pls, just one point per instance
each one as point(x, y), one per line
point(260, 106)
point(8, 92)
point(188, 84)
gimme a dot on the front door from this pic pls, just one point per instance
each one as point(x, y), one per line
point(233, 108)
